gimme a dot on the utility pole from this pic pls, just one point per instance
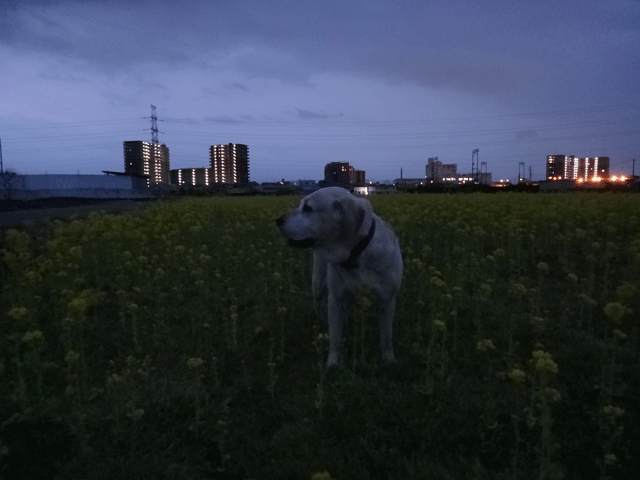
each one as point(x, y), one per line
point(1, 164)
point(520, 172)
point(474, 164)
point(154, 125)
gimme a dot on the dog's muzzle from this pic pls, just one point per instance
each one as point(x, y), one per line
point(304, 243)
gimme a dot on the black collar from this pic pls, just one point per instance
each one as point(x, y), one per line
point(350, 263)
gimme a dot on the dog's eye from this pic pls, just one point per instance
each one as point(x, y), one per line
point(306, 208)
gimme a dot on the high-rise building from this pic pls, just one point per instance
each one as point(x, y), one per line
point(556, 167)
point(229, 163)
point(562, 167)
point(146, 158)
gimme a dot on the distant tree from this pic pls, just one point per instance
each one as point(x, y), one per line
point(8, 183)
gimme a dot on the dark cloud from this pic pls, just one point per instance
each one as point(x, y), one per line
point(423, 78)
point(225, 119)
point(526, 135)
point(466, 46)
point(309, 115)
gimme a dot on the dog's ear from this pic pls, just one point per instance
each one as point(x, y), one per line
point(352, 215)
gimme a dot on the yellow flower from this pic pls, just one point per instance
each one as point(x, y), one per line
point(18, 313)
point(194, 363)
point(538, 322)
point(439, 325)
point(33, 338)
point(519, 290)
point(322, 476)
point(626, 291)
point(485, 345)
point(485, 290)
point(543, 362)
point(115, 379)
point(613, 412)
point(71, 357)
point(517, 375)
point(552, 395)
point(136, 414)
point(615, 311)
point(620, 335)
point(81, 304)
point(543, 267)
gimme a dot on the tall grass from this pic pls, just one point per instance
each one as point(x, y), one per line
point(180, 341)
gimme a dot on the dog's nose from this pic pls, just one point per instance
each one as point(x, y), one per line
point(280, 221)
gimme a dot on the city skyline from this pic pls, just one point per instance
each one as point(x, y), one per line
point(382, 85)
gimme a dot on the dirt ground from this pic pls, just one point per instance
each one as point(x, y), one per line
point(34, 216)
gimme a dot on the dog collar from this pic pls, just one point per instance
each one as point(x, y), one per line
point(350, 263)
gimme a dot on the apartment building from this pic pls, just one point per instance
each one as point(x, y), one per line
point(146, 158)
point(229, 163)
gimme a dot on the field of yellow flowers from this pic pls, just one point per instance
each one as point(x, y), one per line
point(180, 341)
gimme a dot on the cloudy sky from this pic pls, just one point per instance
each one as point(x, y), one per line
point(383, 85)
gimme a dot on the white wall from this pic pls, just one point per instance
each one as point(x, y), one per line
point(66, 182)
point(28, 187)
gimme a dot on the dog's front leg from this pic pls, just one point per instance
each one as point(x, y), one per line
point(319, 287)
point(387, 311)
point(337, 311)
point(336, 316)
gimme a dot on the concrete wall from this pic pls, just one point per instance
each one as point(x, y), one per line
point(28, 187)
point(70, 182)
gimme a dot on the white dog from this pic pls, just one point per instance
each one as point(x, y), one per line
point(352, 247)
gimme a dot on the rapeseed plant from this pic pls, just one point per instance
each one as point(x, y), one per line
point(485, 345)
point(470, 260)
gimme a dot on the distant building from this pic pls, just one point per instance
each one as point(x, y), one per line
point(483, 178)
point(562, 167)
point(229, 163)
point(556, 167)
point(337, 174)
point(342, 174)
point(436, 171)
point(191, 177)
point(146, 158)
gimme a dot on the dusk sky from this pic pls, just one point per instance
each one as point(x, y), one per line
point(383, 85)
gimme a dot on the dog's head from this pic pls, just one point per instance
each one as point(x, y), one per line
point(328, 218)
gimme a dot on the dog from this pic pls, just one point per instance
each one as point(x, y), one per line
point(352, 247)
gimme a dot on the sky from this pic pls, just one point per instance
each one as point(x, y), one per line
point(383, 85)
